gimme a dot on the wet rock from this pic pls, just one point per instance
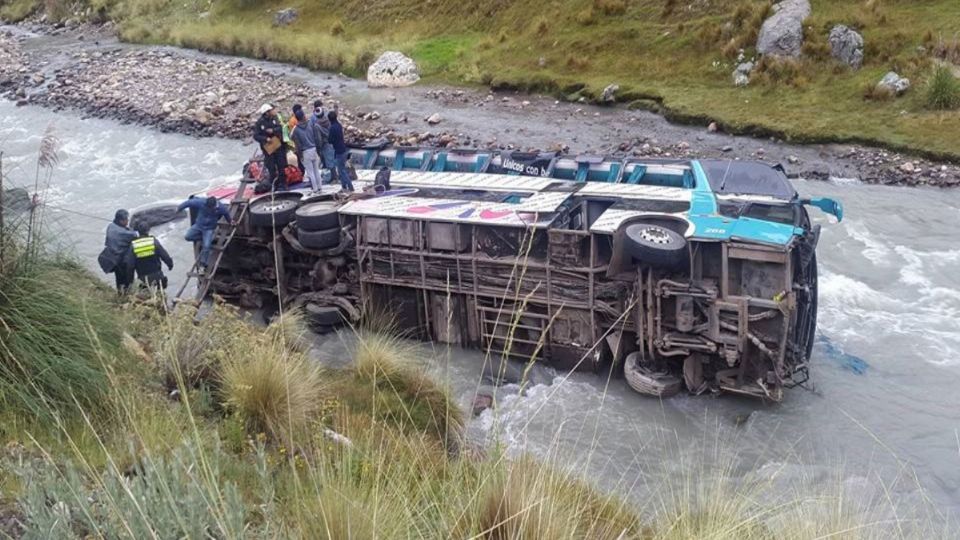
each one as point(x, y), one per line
point(782, 33)
point(16, 200)
point(156, 214)
point(609, 94)
point(434, 119)
point(391, 99)
point(894, 83)
point(727, 149)
point(392, 69)
point(481, 402)
point(818, 170)
point(285, 17)
point(741, 75)
point(846, 45)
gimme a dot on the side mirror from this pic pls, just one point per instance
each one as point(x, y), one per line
point(830, 206)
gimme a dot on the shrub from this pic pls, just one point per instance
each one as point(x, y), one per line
point(543, 26)
point(187, 351)
point(943, 90)
point(578, 62)
point(272, 389)
point(611, 7)
point(57, 333)
point(174, 497)
point(586, 16)
point(407, 394)
point(523, 499)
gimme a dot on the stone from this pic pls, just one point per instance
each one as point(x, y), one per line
point(846, 45)
point(894, 83)
point(793, 160)
point(434, 119)
point(392, 69)
point(908, 168)
point(481, 402)
point(727, 149)
point(391, 99)
point(741, 75)
point(782, 33)
point(285, 17)
point(609, 94)
point(713, 127)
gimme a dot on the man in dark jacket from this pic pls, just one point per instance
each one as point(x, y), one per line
point(117, 244)
point(208, 212)
point(340, 151)
point(304, 135)
point(269, 133)
point(322, 130)
point(145, 255)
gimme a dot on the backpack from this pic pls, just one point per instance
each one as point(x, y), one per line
point(382, 179)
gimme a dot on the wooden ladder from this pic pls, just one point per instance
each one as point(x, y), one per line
point(221, 239)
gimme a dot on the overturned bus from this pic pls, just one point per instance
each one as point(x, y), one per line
point(696, 274)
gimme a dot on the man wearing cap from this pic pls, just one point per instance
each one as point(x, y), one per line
point(268, 131)
point(208, 212)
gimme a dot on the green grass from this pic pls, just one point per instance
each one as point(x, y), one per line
point(678, 55)
point(16, 10)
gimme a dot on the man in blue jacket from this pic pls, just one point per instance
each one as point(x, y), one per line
point(208, 212)
point(339, 151)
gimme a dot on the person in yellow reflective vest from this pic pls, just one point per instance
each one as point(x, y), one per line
point(146, 253)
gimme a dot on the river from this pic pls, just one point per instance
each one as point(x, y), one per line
point(886, 368)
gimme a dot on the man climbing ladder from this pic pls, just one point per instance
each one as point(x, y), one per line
point(208, 212)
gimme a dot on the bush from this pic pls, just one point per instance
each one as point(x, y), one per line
point(58, 333)
point(407, 395)
point(272, 389)
point(172, 497)
point(611, 7)
point(523, 499)
point(586, 17)
point(943, 90)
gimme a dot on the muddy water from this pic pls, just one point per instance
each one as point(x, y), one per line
point(886, 369)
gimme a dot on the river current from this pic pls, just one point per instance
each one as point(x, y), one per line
point(882, 418)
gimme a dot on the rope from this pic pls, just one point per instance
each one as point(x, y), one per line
point(61, 209)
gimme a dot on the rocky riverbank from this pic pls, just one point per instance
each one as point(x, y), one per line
point(208, 95)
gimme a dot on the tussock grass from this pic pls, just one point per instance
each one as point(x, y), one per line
point(943, 90)
point(273, 389)
point(390, 373)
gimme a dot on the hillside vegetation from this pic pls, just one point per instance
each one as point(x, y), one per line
point(671, 55)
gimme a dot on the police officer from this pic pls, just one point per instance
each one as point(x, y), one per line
point(146, 253)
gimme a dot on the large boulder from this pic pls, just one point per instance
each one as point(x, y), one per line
point(741, 75)
point(782, 33)
point(609, 94)
point(846, 45)
point(285, 17)
point(893, 83)
point(392, 69)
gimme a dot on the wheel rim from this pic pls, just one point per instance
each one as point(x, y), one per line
point(655, 235)
point(274, 207)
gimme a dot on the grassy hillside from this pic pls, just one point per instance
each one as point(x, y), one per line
point(673, 55)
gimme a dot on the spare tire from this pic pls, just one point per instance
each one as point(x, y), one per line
point(273, 211)
point(317, 216)
point(655, 245)
point(318, 315)
point(325, 239)
point(647, 381)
